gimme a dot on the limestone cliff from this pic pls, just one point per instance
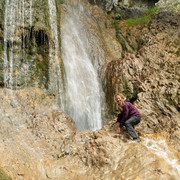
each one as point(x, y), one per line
point(141, 59)
point(148, 71)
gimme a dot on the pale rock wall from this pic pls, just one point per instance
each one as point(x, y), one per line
point(107, 5)
point(110, 5)
point(169, 5)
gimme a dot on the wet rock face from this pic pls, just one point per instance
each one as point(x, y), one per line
point(26, 43)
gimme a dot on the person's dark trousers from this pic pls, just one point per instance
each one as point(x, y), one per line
point(129, 124)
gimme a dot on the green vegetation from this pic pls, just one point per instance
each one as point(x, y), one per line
point(99, 28)
point(127, 42)
point(105, 24)
point(135, 22)
point(1, 48)
point(177, 42)
point(176, 4)
point(152, 11)
point(126, 89)
point(117, 16)
point(178, 52)
point(119, 36)
point(36, 54)
point(42, 66)
point(145, 19)
point(3, 176)
point(58, 6)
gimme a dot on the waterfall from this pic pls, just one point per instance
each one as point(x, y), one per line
point(9, 29)
point(83, 94)
point(54, 58)
point(15, 19)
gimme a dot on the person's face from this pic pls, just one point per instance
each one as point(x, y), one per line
point(118, 99)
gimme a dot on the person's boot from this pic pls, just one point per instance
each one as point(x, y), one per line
point(136, 139)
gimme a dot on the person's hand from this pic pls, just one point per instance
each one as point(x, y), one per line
point(118, 130)
point(115, 120)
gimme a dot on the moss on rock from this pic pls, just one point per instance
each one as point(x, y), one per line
point(4, 176)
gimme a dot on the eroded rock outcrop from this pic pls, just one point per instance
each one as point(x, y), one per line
point(147, 75)
point(39, 141)
point(48, 146)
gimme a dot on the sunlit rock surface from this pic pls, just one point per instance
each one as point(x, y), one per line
point(39, 141)
point(151, 75)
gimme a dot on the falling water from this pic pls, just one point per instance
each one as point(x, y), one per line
point(16, 13)
point(9, 29)
point(54, 58)
point(83, 90)
point(83, 102)
point(18, 25)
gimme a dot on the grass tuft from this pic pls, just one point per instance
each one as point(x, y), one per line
point(145, 19)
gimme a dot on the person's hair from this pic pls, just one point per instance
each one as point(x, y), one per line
point(120, 106)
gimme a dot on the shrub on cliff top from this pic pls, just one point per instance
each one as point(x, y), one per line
point(145, 19)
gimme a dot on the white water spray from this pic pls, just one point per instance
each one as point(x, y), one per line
point(54, 46)
point(83, 102)
point(9, 29)
point(16, 13)
point(161, 149)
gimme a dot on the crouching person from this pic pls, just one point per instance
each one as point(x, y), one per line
point(129, 116)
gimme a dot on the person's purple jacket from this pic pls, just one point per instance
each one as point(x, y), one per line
point(129, 110)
